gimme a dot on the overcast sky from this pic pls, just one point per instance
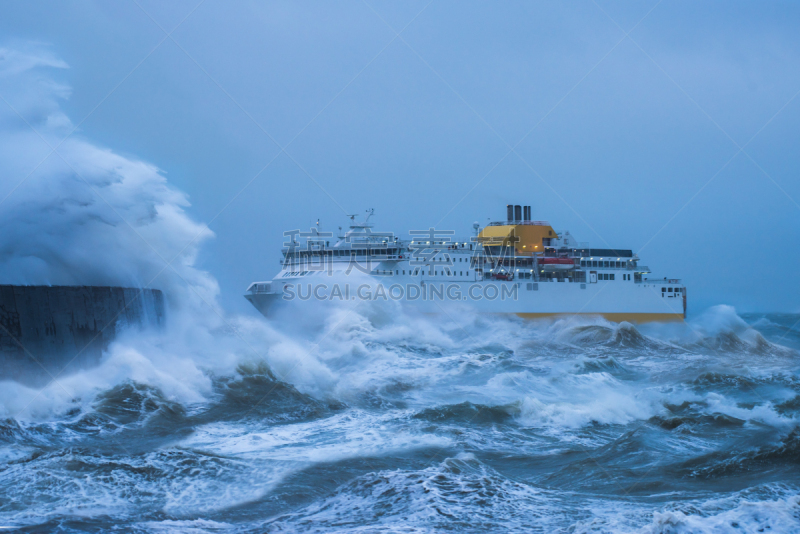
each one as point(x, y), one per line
point(661, 127)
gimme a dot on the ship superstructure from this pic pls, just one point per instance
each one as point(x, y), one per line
point(518, 266)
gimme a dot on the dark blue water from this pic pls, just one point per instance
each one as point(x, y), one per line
point(493, 424)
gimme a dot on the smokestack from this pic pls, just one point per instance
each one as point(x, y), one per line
point(510, 212)
point(517, 213)
point(526, 213)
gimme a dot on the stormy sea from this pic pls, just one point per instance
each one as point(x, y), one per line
point(378, 420)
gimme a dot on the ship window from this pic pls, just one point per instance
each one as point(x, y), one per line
point(663, 289)
point(612, 276)
point(670, 290)
point(594, 264)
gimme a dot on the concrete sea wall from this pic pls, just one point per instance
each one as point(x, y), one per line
point(45, 330)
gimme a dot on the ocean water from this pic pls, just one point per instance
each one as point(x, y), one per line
point(409, 424)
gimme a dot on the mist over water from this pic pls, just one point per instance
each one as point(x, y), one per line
point(370, 418)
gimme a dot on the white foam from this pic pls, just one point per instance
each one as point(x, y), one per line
point(352, 434)
point(782, 515)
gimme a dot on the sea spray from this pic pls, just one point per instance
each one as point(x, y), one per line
point(368, 417)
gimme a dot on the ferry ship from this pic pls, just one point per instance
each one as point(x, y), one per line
point(517, 266)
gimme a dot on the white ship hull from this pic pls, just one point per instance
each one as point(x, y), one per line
point(616, 300)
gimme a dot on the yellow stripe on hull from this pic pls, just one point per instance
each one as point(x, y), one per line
point(615, 317)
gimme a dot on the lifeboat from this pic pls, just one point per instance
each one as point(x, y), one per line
point(557, 264)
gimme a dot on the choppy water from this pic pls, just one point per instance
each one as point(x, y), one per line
point(490, 425)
